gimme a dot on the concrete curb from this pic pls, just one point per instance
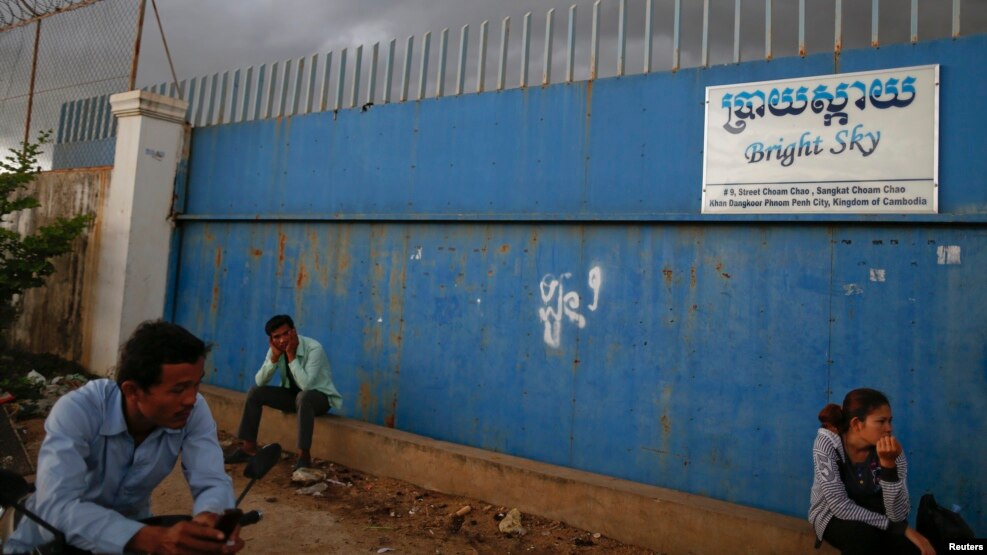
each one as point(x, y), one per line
point(663, 520)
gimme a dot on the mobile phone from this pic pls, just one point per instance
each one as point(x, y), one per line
point(228, 521)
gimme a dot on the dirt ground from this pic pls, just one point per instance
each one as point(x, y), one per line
point(361, 513)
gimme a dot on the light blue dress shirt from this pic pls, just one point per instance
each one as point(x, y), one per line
point(91, 482)
point(310, 369)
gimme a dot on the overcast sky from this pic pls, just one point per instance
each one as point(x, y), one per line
point(208, 36)
point(213, 36)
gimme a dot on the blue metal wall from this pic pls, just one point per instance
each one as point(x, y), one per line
point(419, 242)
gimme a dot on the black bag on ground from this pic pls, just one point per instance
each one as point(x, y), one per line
point(939, 524)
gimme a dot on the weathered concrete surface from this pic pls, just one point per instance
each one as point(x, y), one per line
point(53, 318)
point(655, 518)
point(136, 232)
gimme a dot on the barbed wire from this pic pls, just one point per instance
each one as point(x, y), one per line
point(57, 71)
point(14, 13)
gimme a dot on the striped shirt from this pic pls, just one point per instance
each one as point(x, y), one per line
point(829, 496)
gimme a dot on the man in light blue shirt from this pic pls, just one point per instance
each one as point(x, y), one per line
point(306, 388)
point(109, 444)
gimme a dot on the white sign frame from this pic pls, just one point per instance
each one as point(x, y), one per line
point(791, 163)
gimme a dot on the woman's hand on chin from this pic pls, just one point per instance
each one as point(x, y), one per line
point(888, 450)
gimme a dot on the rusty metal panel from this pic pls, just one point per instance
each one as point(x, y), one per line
point(617, 149)
point(528, 272)
point(909, 314)
point(457, 332)
point(701, 352)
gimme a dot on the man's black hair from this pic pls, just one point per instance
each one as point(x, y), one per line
point(276, 322)
point(153, 343)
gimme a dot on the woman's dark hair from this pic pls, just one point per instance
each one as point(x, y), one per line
point(857, 404)
point(276, 322)
point(153, 343)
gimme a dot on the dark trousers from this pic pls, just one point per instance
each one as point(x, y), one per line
point(852, 537)
point(307, 404)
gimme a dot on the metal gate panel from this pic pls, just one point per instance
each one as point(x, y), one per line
point(527, 271)
point(909, 315)
point(695, 332)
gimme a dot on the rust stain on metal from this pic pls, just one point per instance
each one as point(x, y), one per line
point(282, 239)
point(366, 398)
point(396, 300)
point(214, 303)
point(339, 266)
point(666, 424)
point(589, 98)
point(389, 421)
point(373, 338)
point(344, 258)
point(692, 277)
point(315, 251)
point(302, 278)
point(322, 270)
point(256, 253)
point(505, 248)
point(398, 284)
point(667, 272)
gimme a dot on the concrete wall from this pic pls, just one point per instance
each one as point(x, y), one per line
point(53, 318)
point(137, 230)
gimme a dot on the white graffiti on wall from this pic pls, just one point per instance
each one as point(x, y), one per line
point(560, 304)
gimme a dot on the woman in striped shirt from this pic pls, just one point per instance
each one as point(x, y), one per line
point(859, 500)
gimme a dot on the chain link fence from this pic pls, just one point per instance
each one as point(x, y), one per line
point(59, 62)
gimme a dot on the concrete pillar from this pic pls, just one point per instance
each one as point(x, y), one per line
point(135, 231)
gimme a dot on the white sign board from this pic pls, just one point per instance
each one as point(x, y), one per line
point(854, 143)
